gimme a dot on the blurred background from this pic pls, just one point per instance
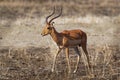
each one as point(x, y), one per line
point(21, 21)
point(26, 55)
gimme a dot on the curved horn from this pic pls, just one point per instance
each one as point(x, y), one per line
point(50, 15)
point(56, 16)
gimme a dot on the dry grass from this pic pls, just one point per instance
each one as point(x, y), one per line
point(34, 63)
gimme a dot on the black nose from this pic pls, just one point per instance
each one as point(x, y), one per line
point(42, 34)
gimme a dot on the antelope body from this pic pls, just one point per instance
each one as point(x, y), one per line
point(66, 39)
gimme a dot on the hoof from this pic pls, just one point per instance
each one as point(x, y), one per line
point(91, 75)
point(74, 71)
point(69, 71)
point(52, 70)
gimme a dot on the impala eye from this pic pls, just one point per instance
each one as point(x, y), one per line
point(48, 28)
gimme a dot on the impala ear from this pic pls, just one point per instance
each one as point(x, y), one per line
point(52, 24)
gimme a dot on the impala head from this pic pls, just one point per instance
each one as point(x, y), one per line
point(49, 24)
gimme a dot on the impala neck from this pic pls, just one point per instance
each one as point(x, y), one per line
point(55, 35)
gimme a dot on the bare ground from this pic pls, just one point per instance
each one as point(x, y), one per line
point(34, 63)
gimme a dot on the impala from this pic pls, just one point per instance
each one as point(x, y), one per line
point(65, 40)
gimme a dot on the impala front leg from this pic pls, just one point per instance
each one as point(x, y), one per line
point(78, 58)
point(54, 61)
point(67, 57)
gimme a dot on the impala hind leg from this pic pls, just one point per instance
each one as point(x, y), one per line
point(54, 61)
point(78, 58)
point(87, 55)
point(67, 57)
